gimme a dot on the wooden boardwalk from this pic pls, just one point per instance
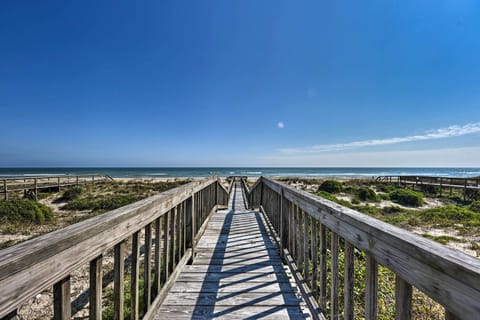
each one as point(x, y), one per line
point(236, 273)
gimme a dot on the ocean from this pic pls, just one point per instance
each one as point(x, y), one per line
point(151, 172)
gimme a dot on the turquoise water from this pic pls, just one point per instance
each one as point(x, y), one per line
point(151, 172)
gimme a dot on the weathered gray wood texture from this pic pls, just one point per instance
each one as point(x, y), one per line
point(35, 265)
point(448, 276)
point(236, 272)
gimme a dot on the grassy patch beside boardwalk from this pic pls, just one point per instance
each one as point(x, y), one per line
point(420, 211)
point(22, 219)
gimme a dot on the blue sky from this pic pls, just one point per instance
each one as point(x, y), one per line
point(206, 83)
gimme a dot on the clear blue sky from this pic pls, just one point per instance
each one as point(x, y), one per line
point(187, 83)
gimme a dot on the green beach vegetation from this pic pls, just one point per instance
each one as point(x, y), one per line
point(24, 211)
point(426, 212)
point(22, 219)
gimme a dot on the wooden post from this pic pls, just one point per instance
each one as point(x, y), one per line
point(158, 231)
point(36, 189)
point(62, 308)
point(323, 266)
point(118, 281)
point(440, 186)
point(77, 182)
point(5, 188)
point(314, 285)
point(190, 224)
point(403, 299)
point(147, 293)
point(261, 194)
point(371, 288)
point(334, 310)
point(96, 289)
point(349, 281)
point(166, 246)
point(58, 184)
point(134, 282)
point(282, 232)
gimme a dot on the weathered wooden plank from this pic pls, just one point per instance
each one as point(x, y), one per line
point(230, 312)
point(240, 262)
point(228, 299)
point(223, 278)
point(61, 300)
point(95, 297)
point(272, 286)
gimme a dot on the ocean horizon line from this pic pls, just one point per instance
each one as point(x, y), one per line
point(195, 172)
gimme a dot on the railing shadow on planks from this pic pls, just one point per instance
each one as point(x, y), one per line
point(302, 222)
point(172, 221)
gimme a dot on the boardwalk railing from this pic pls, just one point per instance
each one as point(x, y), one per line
point(172, 223)
point(303, 222)
point(471, 185)
point(33, 184)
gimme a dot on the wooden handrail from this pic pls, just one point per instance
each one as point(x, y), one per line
point(177, 216)
point(449, 277)
point(35, 183)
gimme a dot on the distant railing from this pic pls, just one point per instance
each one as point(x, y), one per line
point(303, 222)
point(172, 221)
point(32, 184)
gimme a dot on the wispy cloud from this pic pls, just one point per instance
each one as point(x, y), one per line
point(448, 132)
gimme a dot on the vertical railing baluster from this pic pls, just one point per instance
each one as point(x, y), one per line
point(301, 249)
point(171, 242)
point(95, 298)
point(62, 309)
point(166, 247)
point(349, 265)
point(157, 266)
point(118, 281)
point(306, 254)
point(184, 227)
point(178, 234)
point(134, 281)
point(314, 234)
point(282, 224)
point(334, 311)
point(371, 288)
point(323, 266)
point(147, 277)
point(403, 299)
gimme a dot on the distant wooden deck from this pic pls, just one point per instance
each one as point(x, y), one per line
point(236, 273)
